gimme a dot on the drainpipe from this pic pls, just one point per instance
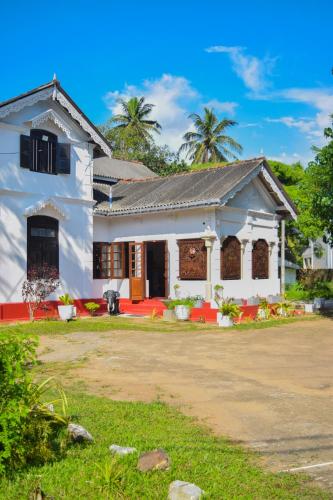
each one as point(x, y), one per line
point(283, 257)
point(208, 238)
point(110, 197)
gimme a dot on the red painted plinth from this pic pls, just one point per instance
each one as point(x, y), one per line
point(19, 311)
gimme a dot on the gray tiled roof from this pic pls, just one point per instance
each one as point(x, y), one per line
point(111, 168)
point(202, 188)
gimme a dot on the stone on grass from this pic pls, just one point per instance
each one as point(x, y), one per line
point(153, 460)
point(121, 450)
point(79, 434)
point(181, 490)
point(50, 407)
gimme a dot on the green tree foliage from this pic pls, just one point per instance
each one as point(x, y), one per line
point(134, 119)
point(131, 138)
point(209, 142)
point(29, 431)
point(127, 145)
point(318, 186)
point(294, 178)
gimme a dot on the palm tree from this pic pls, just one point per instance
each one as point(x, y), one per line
point(209, 142)
point(134, 119)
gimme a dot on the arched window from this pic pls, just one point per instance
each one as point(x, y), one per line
point(42, 244)
point(260, 260)
point(231, 259)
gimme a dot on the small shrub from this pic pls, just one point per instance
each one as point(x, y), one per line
point(40, 283)
point(180, 302)
point(92, 307)
point(227, 308)
point(29, 431)
point(66, 299)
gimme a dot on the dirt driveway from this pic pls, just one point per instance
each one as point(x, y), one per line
point(270, 389)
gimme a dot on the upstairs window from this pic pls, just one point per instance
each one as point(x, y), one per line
point(231, 259)
point(41, 152)
point(260, 260)
point(192, 259)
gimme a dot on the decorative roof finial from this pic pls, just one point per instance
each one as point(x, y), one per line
point(54, 77)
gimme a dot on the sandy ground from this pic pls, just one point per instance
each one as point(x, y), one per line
point(270, 389)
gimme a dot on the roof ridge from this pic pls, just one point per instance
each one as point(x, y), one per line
point(161, 177)
point(29, 92)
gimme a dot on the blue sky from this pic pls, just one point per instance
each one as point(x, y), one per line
point(265, 64)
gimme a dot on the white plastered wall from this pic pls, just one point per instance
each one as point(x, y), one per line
point(249, 216)
point(21, 189)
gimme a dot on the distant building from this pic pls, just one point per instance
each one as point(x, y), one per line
point(318, 255)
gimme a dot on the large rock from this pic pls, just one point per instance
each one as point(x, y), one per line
point(121, 450)
point(79, 434)
point(181, 490)
point(153, 460)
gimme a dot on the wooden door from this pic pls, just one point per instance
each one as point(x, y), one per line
point(137, 273)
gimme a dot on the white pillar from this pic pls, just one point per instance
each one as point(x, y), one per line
point(243, 248)
point(209, 238)
point(283, 257)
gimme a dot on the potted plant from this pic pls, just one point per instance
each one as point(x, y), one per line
point(182, 308)
point(218, 295)
point(264, 310)
point(66, 311)
point(283, 308)
point(169, 312)
point(198, 301)
point(227, 313)
point(92, 307)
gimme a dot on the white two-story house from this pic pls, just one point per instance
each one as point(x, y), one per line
point(109, 224)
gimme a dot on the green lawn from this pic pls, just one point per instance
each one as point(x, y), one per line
point(105, 323)
point(222, 469)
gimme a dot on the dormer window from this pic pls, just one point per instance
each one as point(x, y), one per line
point(41, 152)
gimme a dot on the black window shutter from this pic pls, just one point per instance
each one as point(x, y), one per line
point(63, 162)
point(25, 151)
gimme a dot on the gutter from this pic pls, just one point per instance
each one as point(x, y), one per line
point(138, 211)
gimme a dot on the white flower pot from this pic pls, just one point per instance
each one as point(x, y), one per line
point(262, 314)
point(182, 313)
point(65, 312)
point(308, 308)
point(224, 321)
point(282, 312)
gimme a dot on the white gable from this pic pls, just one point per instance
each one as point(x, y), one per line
point(253, 197)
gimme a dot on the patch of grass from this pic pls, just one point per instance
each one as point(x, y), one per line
point(222, 469)
point(269, 323)
point(107, 324)
point(204, 166)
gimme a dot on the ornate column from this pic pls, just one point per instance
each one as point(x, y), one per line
point(271, 254)
point(244, 242)
point(283, 256)
point(208, 238)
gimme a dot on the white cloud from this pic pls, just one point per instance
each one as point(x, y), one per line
point(170, 94)
point(253, 71)
point(290, 158)
point(320, 99)
point(305, 125)
point(228, 107)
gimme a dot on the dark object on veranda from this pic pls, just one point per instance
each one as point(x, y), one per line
point(112, 298)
